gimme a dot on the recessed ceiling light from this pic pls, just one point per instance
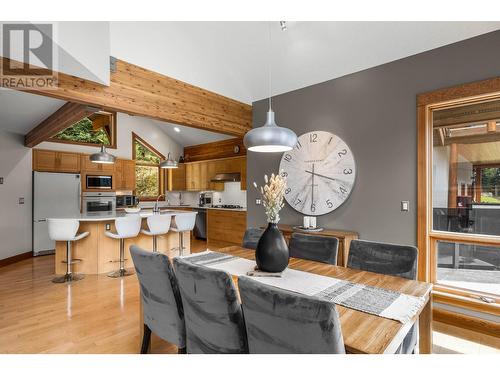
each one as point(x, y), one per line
point(177, 129)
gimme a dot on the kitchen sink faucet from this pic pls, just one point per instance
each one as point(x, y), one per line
point(156, 208)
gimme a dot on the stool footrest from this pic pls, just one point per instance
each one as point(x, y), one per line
point(73, 261)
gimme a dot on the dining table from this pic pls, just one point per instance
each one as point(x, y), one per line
point(364, 333)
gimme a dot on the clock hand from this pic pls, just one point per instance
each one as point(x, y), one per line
point(312, 188)
point(320, 175)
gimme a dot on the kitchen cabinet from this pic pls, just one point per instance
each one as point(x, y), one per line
point(177, 178)
point(125, 174)
point(89, 166)
point(225, 227)
point(55, 161)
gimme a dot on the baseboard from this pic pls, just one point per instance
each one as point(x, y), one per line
point(15, 258)
point(467, 322)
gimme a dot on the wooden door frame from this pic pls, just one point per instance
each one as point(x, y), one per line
point(426, 103)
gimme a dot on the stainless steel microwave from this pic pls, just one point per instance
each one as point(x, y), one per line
point(99, 182)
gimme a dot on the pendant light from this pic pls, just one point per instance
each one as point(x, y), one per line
point(102, 157)
point(270, 137)
point(169, 163)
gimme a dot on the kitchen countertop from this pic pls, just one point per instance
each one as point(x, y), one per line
point(108, 216)
point(208, 208)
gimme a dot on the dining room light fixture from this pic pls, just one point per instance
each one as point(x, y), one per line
point(270, 137)
point(102, 157)
point(169, 163)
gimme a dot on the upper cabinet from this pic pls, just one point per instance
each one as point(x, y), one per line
point(125, 174)
point(55, 161)
point(89, 166)
point(177, 178)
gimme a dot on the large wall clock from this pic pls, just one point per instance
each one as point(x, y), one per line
point(320, 173)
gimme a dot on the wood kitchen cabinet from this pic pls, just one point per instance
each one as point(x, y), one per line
point(55, 161)
point(225, 227)
point(125, 174)
point(89, 166)
point(177, 178)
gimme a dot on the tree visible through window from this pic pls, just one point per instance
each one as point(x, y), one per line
point(96, 129)
point(148, 174)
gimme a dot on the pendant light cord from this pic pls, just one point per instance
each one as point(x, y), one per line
point(270, 64)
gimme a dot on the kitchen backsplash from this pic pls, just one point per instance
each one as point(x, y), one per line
point(232, 194)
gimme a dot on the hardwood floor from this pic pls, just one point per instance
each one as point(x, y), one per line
point(94, 315)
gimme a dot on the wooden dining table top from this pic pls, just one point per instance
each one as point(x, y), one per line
point(363, 332)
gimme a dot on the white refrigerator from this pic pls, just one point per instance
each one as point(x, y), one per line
point(54, 195)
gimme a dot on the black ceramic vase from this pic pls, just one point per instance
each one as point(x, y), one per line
point(271, 254)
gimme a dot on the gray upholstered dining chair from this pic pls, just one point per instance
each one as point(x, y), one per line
point(280, 321)
point(251, 237)
point(161, 301)
point(318, 248)
point(214, 320)
point(387, 259)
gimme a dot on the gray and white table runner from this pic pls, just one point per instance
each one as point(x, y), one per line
point(372, 300)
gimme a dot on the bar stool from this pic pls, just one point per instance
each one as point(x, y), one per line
point(126, 227)
point(157, 225)
point(66, 230)
point(182, 223)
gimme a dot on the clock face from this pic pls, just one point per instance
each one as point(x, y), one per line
point(320, 173)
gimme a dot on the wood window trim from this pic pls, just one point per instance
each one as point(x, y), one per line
point(112, 145)
point(426, 103)
point(137, 138)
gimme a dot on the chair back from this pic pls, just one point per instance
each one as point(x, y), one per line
point(318, 248)
point(63, 229)
point(280, 321)
point(128, 226)
point(185, 221)
point(252, 237)
point(161, 301)
point(384, 258)
point(159, 224)
point(214, 320)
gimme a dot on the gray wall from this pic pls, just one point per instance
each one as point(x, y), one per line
point(374, 111)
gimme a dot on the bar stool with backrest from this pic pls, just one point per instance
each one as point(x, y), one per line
point(387, 259)
point(162, 308)
point(66, 230)
point(183, 223)
point(158, 225)
point(126, 227)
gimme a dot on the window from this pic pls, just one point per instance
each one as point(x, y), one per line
point(149, 177)
point(96, 129)
point(465, 212)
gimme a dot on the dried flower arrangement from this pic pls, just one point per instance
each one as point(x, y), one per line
point(273, 193)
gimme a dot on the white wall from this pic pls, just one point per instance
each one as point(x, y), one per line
point(232, 194)
point(145, 128)
point(15, 219)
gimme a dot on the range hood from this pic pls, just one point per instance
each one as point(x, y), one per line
point(226, 177)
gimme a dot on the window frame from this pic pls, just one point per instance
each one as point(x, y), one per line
point(112, 145)
point(161, 171)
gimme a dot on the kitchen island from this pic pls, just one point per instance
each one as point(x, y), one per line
point(99, 254)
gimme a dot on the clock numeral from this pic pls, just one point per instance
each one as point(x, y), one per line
point(329, 203)
point(288, 157)
point(348, 171)
point(343, 190)
point(298, 145)
point(342, 153)
point(297, 201)
point(330, 141)
point(313, 138)
point(313, 207)
point(284, 174)
point(288, 190)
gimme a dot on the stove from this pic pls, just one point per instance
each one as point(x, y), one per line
point(228, 206)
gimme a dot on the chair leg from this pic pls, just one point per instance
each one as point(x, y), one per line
point(69, 276)
point(122, 271)
point(182, 351)
point(155, 244)
point(146, 340)
point(181, 244)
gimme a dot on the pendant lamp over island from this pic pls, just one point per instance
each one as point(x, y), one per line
point(102, 157)
point(270, 137)
point(169, 163)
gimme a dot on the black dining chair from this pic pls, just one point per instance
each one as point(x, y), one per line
point(161, 301)
point(279, 321)
point(387, 259)
point(214, 320)
point(251, 237)
point(318, 248)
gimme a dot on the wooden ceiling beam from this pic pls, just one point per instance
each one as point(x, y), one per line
point(142, 92)
point(65, 116)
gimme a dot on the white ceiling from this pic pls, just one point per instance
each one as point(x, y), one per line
point(231, 58)
point(190, 136)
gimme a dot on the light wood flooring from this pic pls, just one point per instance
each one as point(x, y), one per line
point(100, 315)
